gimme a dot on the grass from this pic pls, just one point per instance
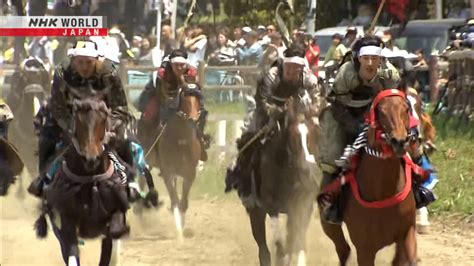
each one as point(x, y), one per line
point(454, 162)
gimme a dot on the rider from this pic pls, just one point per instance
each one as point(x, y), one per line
point(159, 98)
point(286, 77)
point(85, 74)
point(30, 71)
point(356, 84)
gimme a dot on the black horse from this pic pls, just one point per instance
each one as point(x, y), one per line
point(89, 192)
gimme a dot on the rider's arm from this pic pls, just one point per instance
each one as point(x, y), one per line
point(118, 99)
point(345, 81)
point(264, 88)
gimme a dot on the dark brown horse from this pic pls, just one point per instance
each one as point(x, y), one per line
point(381, 208)
point(179, 151)
point(87, 191)
point(283, 181)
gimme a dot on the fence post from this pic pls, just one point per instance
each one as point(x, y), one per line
point(238, 124)
point(433, 72)
point(221, 137)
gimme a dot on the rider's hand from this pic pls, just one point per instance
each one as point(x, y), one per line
point(272, 109)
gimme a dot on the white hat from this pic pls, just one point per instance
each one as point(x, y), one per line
point(246, 29)
point(84, 48)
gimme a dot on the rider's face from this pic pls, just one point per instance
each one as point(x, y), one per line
point(179, 69)
point(292, 72)
point(369, 65)
point(84, 65)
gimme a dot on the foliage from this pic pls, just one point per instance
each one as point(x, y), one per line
point(256, 12)
point(454, 162)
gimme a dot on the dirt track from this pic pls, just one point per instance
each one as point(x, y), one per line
point(218, 233)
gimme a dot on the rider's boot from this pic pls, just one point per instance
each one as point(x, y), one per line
point(36, 186)
point(239, 170)
point(330, 201)
point(205, 139)
point(423, 190)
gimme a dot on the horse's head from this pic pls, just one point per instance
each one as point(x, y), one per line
point(294, 130)
point(89, 128)
point(390, 116)
point(190, 102)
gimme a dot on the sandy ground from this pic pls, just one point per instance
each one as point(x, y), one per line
point(218, 233)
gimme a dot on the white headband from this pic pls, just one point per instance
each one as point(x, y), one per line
point(370, 50)
point(295, 60)
point(179, 59)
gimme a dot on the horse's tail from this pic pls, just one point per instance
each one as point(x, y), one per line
point(428, 128)
point(41, 226)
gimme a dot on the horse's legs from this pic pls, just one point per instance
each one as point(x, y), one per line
point(335, 233)
point(68, 240)
point(298, 221)
point(187, 183)
point(410, 245)
point(366, 256)
point(257, 221)
point(106, 251)
point(406, 249)
point(171, 187)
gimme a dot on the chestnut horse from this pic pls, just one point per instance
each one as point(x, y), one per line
point(381, 210)
point(283, 181)
point(87, 190)
point(179, 150)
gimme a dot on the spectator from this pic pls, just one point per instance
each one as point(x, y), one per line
point(9, 50)
point(252, 53)
point(388, 41)
point(312, 54)
point(146, 55)
point(238, 40)
point(337, 50)
point(420, 57)
point(351, 37)
point(224, 54)
point(364, 15)
point(136, 45)
point(168, 44)
point(265, 39)
point(196, 45)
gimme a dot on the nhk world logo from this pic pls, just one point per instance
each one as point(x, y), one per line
point(52, 26)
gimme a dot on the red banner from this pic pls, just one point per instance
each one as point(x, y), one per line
point(53, 31)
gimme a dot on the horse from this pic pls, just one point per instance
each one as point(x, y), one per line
point(380, 210)
point(179, 150)
point(88, 190)
point(22, 129)
point(283, 181)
